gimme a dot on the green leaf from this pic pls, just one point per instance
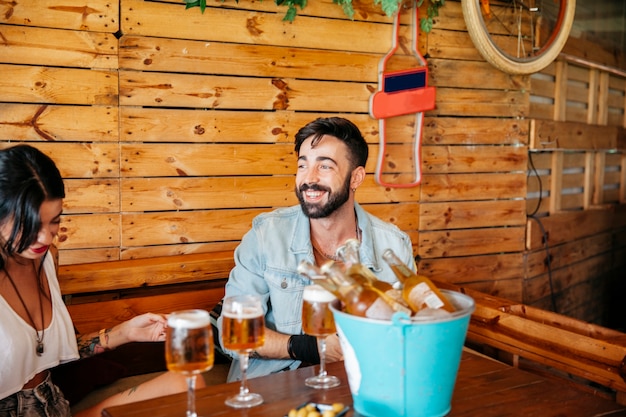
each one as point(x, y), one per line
point(433, 11)
point(196, 3)
point(426, 24)
point(390, 7)
point(291, 14)
point(347, 7)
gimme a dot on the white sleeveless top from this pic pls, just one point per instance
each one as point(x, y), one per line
point(19, 362)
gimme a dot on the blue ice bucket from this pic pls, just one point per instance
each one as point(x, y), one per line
point(405, 366)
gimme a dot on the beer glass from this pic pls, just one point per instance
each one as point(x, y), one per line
point(189, 348)
point(318, 321)
point(243, 330)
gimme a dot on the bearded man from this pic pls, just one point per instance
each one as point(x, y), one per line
point(332, 154)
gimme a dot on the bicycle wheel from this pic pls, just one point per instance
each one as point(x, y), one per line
point(519, 36)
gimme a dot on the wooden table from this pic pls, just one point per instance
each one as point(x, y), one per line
point(484, 388)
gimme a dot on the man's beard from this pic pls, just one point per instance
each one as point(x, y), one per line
point(335, 200)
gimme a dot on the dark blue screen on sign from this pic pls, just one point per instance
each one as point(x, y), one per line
point(405, 81)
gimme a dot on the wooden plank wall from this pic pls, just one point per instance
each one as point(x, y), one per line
point(472, 212)
point(575, 257)
point(174, 128)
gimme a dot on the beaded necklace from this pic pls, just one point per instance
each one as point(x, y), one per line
point(40, 346)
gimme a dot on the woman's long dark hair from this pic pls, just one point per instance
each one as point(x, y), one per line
point(27, 178)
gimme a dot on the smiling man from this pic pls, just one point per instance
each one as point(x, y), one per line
point(332, 154)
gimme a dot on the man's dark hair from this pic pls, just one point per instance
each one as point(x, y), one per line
point(342, 129)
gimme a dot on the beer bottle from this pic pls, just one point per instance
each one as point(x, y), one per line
point(359, 300)
point(348, 253)
point(418, 291)
point(313, 273)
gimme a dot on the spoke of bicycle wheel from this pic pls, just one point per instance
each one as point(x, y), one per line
point(519, 36)
point(514, 28)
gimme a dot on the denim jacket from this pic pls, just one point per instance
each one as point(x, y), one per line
point(266, 264)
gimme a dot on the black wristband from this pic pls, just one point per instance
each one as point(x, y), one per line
point(303, 347)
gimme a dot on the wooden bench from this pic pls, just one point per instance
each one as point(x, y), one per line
point(549, 343)
point(103, 294)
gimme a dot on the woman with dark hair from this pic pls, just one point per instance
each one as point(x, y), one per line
point(36, 331)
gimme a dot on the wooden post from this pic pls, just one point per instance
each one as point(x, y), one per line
point(622, 180)
point(603, 99)
point(556, 181)
point(560, 91)
point(592, 96)
point(589, 179)
point(624, 117)
point(598, 195)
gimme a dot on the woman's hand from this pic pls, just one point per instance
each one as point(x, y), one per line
point(148, 327)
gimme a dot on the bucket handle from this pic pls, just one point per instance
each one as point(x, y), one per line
point(400, 319)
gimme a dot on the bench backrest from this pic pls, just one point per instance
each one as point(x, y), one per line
point(102, 294)
point(106, 293)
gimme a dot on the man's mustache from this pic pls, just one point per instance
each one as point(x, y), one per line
point(313, 187)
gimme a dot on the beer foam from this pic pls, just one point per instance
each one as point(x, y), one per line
point(316, 294)
point(193, 319)
point(239, 312)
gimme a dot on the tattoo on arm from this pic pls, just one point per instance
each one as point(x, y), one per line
point(89, 346)
point(132, 390)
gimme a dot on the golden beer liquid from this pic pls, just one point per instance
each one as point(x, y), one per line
point(364, 276)
point(359, 300)
point(189, 350)
point(419, 291)
point(317, 318)
point(244, 331)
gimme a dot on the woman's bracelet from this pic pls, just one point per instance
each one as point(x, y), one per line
point(103, 339)
point(303, 347)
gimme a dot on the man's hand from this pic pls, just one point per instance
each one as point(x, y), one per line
point(333, 349)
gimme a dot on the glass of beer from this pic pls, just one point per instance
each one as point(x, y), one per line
point(189, 348)
point(318, 321)
point(243, 330)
